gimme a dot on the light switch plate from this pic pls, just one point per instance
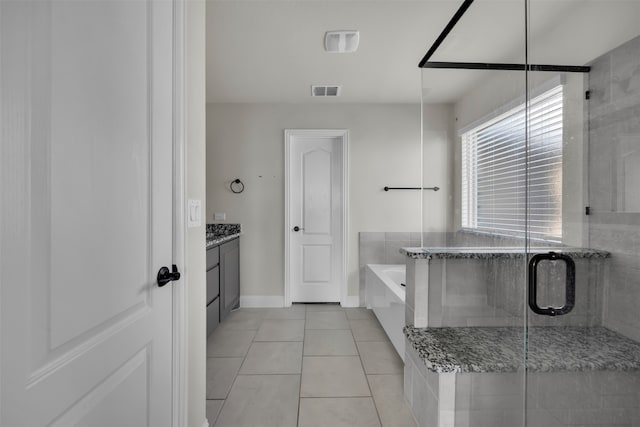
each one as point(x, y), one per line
point(219, 216)
point(194, 213)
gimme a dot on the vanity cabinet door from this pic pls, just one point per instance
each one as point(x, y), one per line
point(213, 256)
point(213, 284)
point(229, 277)
point(213, 315)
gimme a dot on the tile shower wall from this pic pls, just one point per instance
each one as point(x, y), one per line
point(614, 180)
point(382, 248)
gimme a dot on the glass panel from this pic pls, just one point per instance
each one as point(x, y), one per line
point(584, 367)
point(465, 289)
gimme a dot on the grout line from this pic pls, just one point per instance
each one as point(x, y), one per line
point(367, 379)
point(304, 333)
point(338, 397)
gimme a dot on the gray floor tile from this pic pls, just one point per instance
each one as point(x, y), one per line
point(241, 323)
point(213, 409)
point(247, 313)
point(329, 342)
point(388, 394)
point(221, 371)
point(273, 358)
point(261, 400)
point(333, 376)
point(367, 330)
point(280, 330)
point(358, 313)
point(324, 307)
point(229, 343)
point(327, 320)
point(380, 358)
point(338, 412)
point(293, 312)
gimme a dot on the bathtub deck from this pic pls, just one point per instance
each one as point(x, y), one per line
point(500, 349)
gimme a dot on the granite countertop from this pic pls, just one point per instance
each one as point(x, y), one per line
point(220, 233)
point(496, 252)
point(500, 349)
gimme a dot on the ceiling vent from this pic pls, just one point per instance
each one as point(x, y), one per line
point(325, 90)
point(341, 41)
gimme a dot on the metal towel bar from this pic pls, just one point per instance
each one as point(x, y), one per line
point(411, 188)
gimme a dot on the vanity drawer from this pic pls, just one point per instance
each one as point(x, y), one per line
point(213, 283)
point(213, 257)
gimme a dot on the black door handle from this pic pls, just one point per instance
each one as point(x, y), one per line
point(570, 284)
point(296, 228)
point(165, 276)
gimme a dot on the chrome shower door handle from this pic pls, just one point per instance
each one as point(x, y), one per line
point(570, 284)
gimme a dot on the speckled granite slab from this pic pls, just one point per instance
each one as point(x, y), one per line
point(220, 233)
point(495, 252)
point(501, 349)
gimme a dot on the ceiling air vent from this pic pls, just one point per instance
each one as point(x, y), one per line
point(325, 90)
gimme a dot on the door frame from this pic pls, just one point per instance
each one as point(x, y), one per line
point(179, 302)
point(289, 137)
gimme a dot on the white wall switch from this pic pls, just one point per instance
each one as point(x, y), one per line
point(219, 216)
point(194, 213)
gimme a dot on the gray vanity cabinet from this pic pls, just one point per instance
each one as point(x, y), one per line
point(223, 282)
point(229, 277)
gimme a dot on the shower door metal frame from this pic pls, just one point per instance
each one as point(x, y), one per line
point(425, 63)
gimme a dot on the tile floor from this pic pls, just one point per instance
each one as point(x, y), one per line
point(308, 365)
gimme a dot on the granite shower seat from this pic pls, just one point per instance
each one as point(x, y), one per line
point(501, 349)
point(471, 373)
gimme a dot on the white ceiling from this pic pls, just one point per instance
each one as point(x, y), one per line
point(272, 51)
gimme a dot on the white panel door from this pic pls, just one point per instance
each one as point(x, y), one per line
point(316, 216)
point(86, 213)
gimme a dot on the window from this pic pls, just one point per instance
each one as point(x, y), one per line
point(494, 171)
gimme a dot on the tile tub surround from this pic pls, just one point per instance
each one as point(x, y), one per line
point(220, 233)
point(472, 286)
point(307, 365)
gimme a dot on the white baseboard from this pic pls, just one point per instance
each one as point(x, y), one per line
point(351, 301)
point(278, 301)
point(262, 301)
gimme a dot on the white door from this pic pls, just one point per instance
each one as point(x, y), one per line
point(86, 213)
point(316, 220)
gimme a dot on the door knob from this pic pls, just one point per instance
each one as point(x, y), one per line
point(296, 228)
point(165, 276)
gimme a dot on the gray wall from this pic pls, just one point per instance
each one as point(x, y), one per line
point(247, 141)
point(614, 180)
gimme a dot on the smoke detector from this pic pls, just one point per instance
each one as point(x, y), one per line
point(341, 41)
point(325, 90)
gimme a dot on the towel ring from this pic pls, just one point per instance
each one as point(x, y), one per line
point(236, 186)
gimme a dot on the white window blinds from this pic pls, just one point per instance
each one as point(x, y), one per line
point(495, 167)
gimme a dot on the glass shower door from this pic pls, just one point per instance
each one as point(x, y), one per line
point(531, 243)
point(473, 227)
point(583, 158)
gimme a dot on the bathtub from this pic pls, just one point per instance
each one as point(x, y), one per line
point(385, 295)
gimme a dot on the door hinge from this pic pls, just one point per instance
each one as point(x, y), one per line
point(587, 95)
point(587, 210)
